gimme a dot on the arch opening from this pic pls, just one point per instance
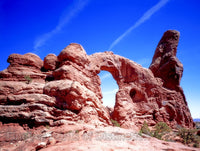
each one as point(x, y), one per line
point(109, 89)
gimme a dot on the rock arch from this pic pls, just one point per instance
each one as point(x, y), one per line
point(74, 92)
point(142, 91)
point(130, 77)
point(109, 88)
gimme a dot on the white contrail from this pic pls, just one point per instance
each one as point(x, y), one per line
point(105, 76)
point(77, 8)
point(145, 17)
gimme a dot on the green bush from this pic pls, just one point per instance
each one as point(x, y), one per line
point(189, 136)
point(115, 123)
point(145, 129)
point(47, 126)
point(196, 145)
point(28, 79)
point(77, 131)
point(161, 129)
point(197, 125)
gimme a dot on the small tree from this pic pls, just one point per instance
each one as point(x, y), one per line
point(115, 123)
point(145, 129)
point(188, 135)
point(28, 79)
point(161, 129)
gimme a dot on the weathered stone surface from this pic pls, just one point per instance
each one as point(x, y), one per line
point(50, 62)
point(20, 73)
point(165, 64)
point(141, 96)
point(74, 53)
point(34, 114)
point(75, 97)
point(82, 137)
point(28, 59)
point(17, 88)
point(85, 77)
point(21, 66)
point(72, 89)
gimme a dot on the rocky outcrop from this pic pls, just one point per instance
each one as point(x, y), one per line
point(142, 96)
point(165, 64)
point(64, 89)
point(50, 62)
point(21, 66)
point(67, 88)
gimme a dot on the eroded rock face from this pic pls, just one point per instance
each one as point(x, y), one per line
point(165, 64)
point(23, 65)
point(50, 62)
point(67, 87)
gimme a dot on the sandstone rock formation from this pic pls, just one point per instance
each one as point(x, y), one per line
point(165, 64)
point(21, 66)
point(67, 87)
point(50, 62)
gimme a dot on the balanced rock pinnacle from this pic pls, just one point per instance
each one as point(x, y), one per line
point(165, 64)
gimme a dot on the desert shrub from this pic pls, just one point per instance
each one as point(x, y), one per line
point(77, 131)
point(28, 79)
point(189, 136)
point(196, 141)
point(161, 128)
point(115, 123)
point(196, 145)
point(145, 129)
point(197, 125)
point(47, 126)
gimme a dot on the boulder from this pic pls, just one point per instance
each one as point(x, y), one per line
point(50, 62)
point(28, 59)
point(74, 53)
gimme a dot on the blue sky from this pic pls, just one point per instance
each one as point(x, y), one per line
point(130, 28)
